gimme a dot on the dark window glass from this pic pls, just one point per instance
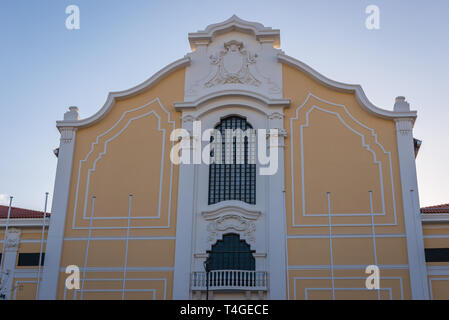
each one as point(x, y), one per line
point(233, 181)
point(231, 253)
point(437, 255)
point(30, 259)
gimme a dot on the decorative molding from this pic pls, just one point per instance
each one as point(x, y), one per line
point(67, 134)
point(25, 222)
point(231, 222)
point(231, 218)
point(401, 105)
point(229, 93)
point(245, 213)
point(281, 133)
point(188, 118)
point(276, 116)
point(364, 144)
point(235, 54)
point(232, 66)
point(72, 114)
point(404, 126)
point(339, 86)
point(103, 153)
point(262, 33)
point(12, 240)
point(434, 217)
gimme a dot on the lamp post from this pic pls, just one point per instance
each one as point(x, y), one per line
point(206, 264)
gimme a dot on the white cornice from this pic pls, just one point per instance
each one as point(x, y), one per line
point(344, 87)
point(261, 32)
point(24, 222)
point(435, 217)
point(120, 95)
point(230, 208)
point(230, 93)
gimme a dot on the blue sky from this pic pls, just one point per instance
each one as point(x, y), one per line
point(44, 68)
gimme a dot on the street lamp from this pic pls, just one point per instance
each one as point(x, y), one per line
point(206, 265)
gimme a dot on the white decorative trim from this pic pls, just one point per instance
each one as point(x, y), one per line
point(231, 218)
point(26, 222)
point(121, 238)
point(55, 235)
point(12, 240)
point(364, 144)
point(104, 152)
point(120, 95)
point(21, 281)
point(188, 118)
point(67, 134)
point(72, 114)
point(412, 212)
point(389, 290)
point(362, 279)
point(241, 211)
point(438, 270)
point(430, 284)
point(10, 249)
point(262, 33)
point(120, 290)
point(192, 233)
point(344, 236)
point(233, 54)
point(404, 126)
point(228, 223)
point(434, 217)
point(357, 89)
point(276, 116)
point(179, 106)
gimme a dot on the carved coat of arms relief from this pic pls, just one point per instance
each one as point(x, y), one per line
point(232, 66)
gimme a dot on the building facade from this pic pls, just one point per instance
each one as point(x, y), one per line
point(343, 195)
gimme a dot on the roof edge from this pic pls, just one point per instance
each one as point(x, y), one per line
point(120, 95)
point(344, 87)
point(234, 23)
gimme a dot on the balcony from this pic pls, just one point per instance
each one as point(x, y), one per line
point(230, 280)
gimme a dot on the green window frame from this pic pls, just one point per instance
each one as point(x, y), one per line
point(231, 253)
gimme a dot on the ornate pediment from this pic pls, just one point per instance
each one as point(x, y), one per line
point(231, 219)
point(234, 55)
point(234, 23)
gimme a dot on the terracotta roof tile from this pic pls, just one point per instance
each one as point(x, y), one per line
point(19, 213)
point(441, 208)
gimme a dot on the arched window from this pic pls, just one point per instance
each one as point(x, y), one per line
point(231, 253)
point(234, 181)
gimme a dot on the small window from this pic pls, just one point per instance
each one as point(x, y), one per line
point(437, 255)
point(30, 259)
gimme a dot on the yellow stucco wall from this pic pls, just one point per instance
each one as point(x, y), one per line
point(340, 153)
point(126, 153)
point(24, 286)
point(334, 148)
point(436, 235)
